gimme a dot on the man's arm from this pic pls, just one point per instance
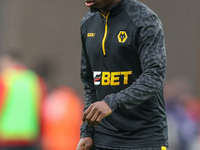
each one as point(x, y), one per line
point(86, 141)
point(153, 60)
point(89, 88)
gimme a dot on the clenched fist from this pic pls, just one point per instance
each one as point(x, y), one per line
point(96, 112)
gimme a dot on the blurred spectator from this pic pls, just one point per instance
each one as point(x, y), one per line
point(21, 94)
point(62, 119)
point(182, 118)
point(196, 144)
point(192, 107)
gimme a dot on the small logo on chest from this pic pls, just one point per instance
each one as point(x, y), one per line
point(91, 34)
point(122, 36)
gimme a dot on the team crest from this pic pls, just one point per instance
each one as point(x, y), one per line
point(122, 36)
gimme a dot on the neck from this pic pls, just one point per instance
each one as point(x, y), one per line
point(105, 10)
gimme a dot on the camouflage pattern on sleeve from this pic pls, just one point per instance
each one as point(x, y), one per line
point(152, 55)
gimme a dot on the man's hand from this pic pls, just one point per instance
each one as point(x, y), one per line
point(85, 143)
point(96, 112)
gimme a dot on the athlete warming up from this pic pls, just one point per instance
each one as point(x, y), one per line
point(123, 70)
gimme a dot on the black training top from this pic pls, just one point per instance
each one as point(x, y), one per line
point(124, 64)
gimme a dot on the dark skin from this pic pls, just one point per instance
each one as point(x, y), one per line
point(103, 5)
point(93, 115)
point(98, 110)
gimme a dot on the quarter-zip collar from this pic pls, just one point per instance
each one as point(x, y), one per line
point(113, 11)
point(105, 33)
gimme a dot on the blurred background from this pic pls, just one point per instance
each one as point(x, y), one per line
point(47, 33)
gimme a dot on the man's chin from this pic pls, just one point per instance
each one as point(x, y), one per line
point(93, 9)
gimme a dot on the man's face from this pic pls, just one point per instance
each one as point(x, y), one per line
point(100, 4)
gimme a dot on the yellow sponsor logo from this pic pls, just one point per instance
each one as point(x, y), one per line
point(91, 34)
point(111, 78)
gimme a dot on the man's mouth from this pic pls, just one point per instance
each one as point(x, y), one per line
point(89, 3)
